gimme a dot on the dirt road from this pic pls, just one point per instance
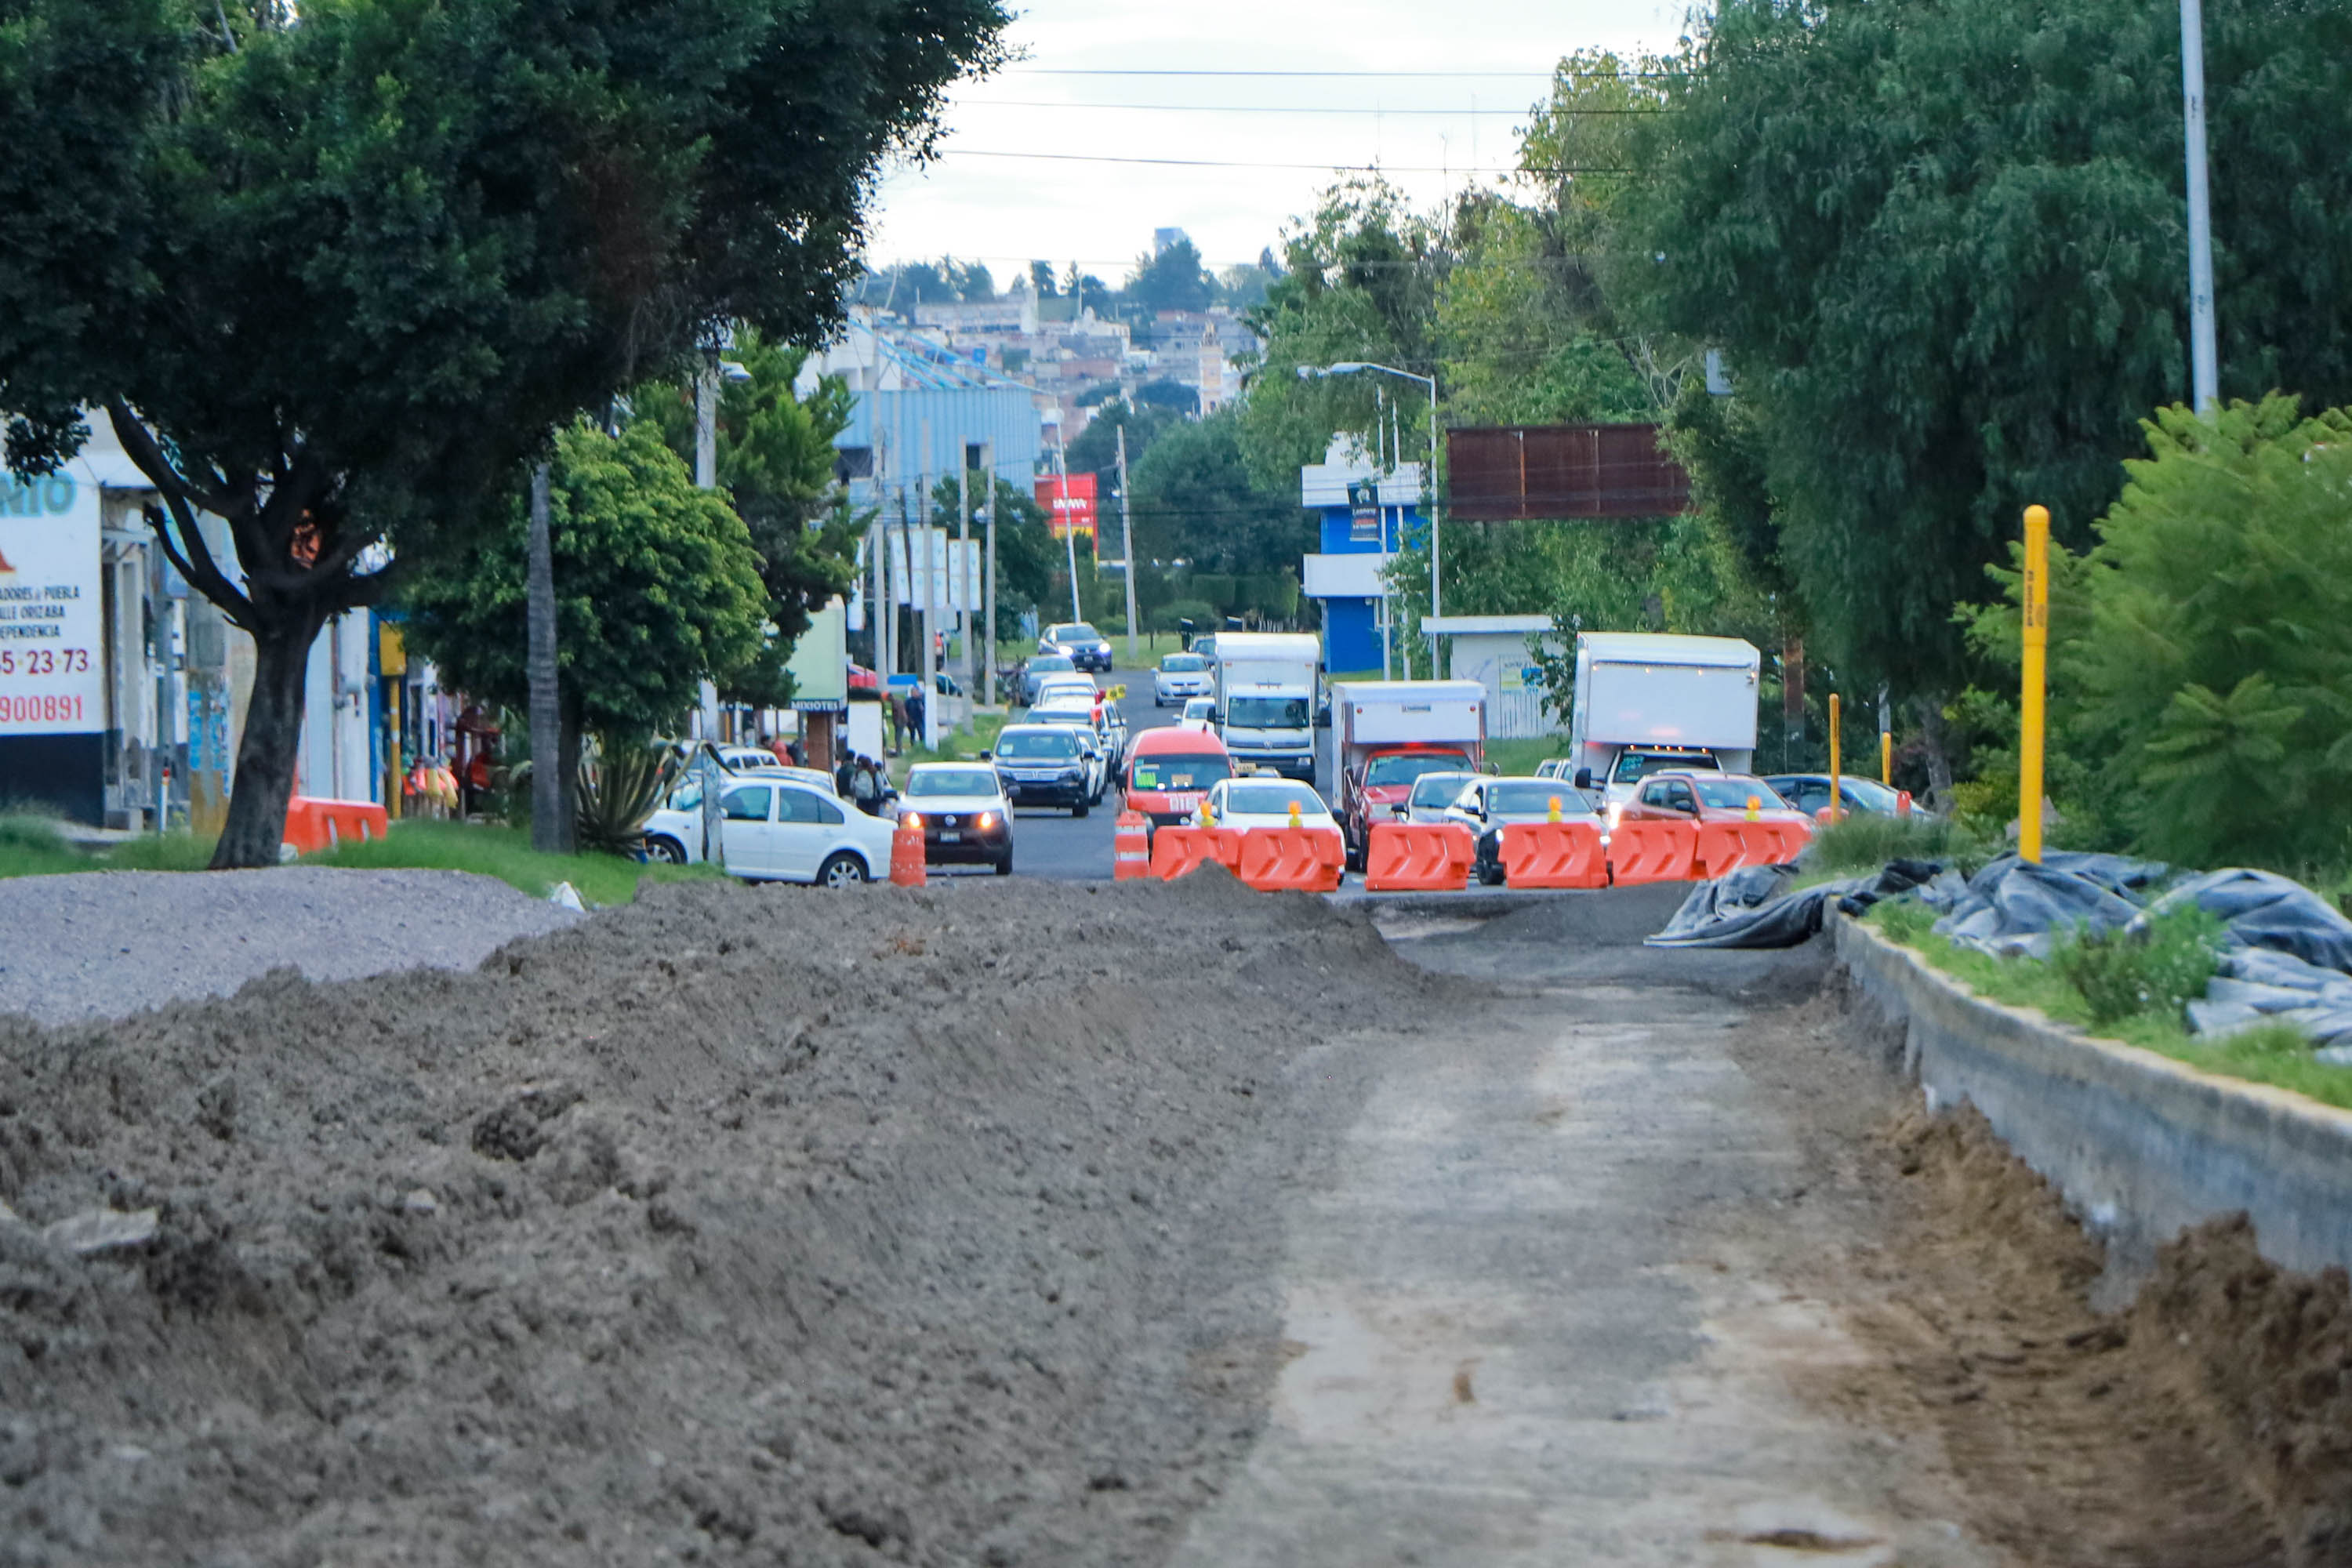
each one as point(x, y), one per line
point(1009, 1224)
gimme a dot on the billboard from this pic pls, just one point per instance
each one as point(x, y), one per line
point(1540, 473)
point(52, 665)
point(1069, 503)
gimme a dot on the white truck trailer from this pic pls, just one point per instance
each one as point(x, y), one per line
point(1265, 690)
point(1386, 733)
point(1647, 701)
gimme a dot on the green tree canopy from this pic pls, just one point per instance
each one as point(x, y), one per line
point(1196, 499)
point(1174, 279)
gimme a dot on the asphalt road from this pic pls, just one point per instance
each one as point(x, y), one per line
point(1053, 844)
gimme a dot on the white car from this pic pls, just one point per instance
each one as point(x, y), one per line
point(1066, 687)
point(964, 813)
point(1179, 676)
point(1432, 796)
point(1263, 801)
point(1200, 713)
point(775, 829)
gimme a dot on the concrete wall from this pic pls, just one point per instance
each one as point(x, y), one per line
point(2141, 1144)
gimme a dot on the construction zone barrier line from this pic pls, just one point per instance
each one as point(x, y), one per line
point(1553, 855)
point(1178, 851)
point(1292, 859)
point(313, 822)
point(1647, 851)
point(1727, 846)
point(1419, 858)
point(1131, 854)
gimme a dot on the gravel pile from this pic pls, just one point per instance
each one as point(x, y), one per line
point(104, 944)
point(733, 1226)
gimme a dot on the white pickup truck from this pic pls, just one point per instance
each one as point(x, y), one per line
point(1266, 688)
point(1650, 700)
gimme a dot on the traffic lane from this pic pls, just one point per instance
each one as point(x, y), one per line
point(1048, 842)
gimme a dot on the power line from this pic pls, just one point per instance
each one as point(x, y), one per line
point(1277, 108)
point(1237, 163)
point(1413, 75)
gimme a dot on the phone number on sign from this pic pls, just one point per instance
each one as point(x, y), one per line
point(45, 661)
point(38, 709)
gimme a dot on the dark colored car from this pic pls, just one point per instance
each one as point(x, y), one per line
point(1041, 764)
point(1039, 666)
point(963, 811)
point(1087, 647)
point(1810, 794)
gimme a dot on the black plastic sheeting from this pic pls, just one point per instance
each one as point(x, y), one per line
point(1752, 907)
point(2014, 906)
point(2291, 959)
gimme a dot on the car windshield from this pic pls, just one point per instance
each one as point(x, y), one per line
point(952, 781)
point(1201, 708)
point(1439, 789)
point(1175, 770)
point(1076, 631)
point(1515, 798)
point(1183, 664)
point(1059, 715)
point(1731, 794)
point(1635, 766)
point(1047, 663)
point(1403, 770)
point(1267, 712)
point(1046, 745)
point(1271, 800)
point(1869, 795)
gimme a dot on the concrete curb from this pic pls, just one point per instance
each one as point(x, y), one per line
point(1471, 904)
point(2142, 1145)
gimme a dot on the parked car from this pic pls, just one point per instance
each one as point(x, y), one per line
point(1486, 805)
point(1087, 647)
point(1045, 765)
point(1696, 796)
point(1432, 796)
point(775, 829)
point(1040, 666)
point(1178, 677)
point(964, 813)
point(1264, 801)
point(1810, 794)
point(1200, 713)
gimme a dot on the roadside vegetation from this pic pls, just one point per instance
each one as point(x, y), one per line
point(2131, 988)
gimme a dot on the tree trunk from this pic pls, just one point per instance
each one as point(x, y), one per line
point(1792, 699)
point(1931, 710)
point(550, 826)
point(567, 762)
point(267, 750)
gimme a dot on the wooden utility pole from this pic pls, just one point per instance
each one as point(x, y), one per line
point(988, 610)
point(1126, 533)
point(962, 599)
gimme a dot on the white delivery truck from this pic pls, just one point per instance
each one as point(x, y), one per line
point(1646, 701)
point(1386, 733)
point(1265, 690)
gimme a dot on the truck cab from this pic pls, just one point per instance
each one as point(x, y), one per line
point(1385, 734)
point(1265, 686)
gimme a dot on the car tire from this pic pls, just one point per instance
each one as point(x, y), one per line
point(1079, 807)
point(1005, 864)
point(842, 870)
point(1490, 875)
point(664, 851)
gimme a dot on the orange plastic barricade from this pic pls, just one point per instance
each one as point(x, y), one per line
point(1553, 855)
point(1178, 851)
point(1726, 846)
point(313, 824)
point(1789, 840)
point(1419, 858)
point(1646, 851)
point(1131, 853)
point(1292, 859)
point(907, 869)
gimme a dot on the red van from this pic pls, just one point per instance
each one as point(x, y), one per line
point(1168, 770)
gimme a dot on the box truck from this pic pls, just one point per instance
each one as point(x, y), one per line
point(1646, 701)
point(1386, 733)
point(1265, 690)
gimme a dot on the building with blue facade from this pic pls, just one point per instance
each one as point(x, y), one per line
point(1367, 513)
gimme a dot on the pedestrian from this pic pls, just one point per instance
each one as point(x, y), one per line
point(845, 777)
point(915, 705)
point(776, 748)
point(865, 790)
point(796, 753)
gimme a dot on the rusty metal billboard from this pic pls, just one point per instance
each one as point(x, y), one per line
point(1535, 473)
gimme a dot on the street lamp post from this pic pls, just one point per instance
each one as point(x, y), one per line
point(1428, 472)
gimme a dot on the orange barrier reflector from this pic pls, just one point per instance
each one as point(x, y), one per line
point(1553, 855)
point(1792, 839)
point(1419, 858)
point(1130, 850)
point(1292, 859)
point(1179, 851)
point(1644, 851)
point(907, 857)
point(313, 822)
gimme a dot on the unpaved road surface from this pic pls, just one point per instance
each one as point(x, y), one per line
point(1009, 1223)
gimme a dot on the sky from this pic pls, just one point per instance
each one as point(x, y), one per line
point(1456, 78)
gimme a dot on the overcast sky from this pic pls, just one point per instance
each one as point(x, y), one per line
point(1430, 131)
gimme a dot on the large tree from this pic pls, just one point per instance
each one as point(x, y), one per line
point(334, 278)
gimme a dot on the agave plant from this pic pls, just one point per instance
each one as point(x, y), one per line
point(620, 782)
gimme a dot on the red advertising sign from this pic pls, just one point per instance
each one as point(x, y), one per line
point(1069, 503)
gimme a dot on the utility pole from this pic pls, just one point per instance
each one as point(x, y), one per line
point(988, 609)
point(547, 835)
point(1126, 532)
point(706, 477)
point(930, 685)
point(962, 599)
point(2204, 359)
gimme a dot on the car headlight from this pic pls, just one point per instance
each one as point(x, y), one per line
point(984, 821)
point(910, 819)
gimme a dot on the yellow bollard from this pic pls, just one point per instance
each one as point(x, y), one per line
point(2029, 707)
point(1887, 758)
point(1837, 790)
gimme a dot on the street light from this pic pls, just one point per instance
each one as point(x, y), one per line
point(1428, 472)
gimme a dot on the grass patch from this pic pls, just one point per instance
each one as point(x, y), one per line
point(1865, 841)
point(2272, 1054)
point(504, 853)
point(962, 745)
point(1519, 758)
point(33, 846)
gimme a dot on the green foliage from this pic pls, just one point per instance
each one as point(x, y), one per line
point(505, 853)
point(1174, 279)
point(1863, 841)
point(1941, 249)
point(1197, 499)
point(1199, 611)
point(657, 588)
point(2158, 968)
point(620, 786)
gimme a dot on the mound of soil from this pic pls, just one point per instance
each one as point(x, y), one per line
point(760, 1227)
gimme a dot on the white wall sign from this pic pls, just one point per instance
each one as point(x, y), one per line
point(52, 667)
point(954, 568)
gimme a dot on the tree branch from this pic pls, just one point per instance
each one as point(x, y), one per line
point(140, 444)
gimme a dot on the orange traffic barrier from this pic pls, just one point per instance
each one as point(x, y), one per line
point(1652, 851)
point(1792, 835)
point(907, 857)
point(1419, 858)
point(313, 824)
point(1179, 851)
point(1292, 859)
point(1553, 855)
point(1726, 846)
point(1130, 851)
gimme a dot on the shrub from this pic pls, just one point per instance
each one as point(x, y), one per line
point(1863, 841)
point(2154, 966)
point(1202, 616)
